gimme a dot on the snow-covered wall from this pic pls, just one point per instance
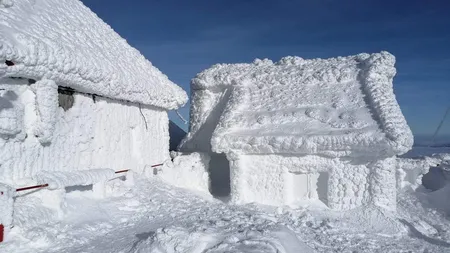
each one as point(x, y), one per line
point(92, 133)
point(206, 108)
point(64, 41)
point(282, 179)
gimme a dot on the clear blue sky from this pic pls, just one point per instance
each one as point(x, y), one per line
point(183, 37)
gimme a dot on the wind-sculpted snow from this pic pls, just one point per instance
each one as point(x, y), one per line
point(336, 107)
point(62, 40)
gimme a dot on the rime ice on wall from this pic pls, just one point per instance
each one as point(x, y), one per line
point(104, 133)
point(62, 40)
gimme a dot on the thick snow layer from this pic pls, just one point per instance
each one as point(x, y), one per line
point(337, 107)
point(151, 215)
point(93, 133)
point(6, 205)
point(189, 171)
point(62, 40)
point(47, 109)
point(62, 179)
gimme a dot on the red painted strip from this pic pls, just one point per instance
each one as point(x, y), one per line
point(156, 165)
point(31, 187)
point(121, 171)
point(2, 231)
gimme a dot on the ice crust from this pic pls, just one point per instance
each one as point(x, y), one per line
point(59, 179)
point(341, 106)
point(62, 40)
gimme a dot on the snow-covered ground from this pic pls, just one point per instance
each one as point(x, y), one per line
point(151, 216)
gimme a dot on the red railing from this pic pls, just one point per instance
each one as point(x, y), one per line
point(2, 228)
point(46, 185)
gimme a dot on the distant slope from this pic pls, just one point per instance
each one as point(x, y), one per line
point(176, 135)
point(426, 141)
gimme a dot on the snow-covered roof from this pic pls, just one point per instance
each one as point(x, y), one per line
point(64, 41)
point(338, 106)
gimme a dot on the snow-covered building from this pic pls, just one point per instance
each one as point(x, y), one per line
point(295, 130)
point(74, 95)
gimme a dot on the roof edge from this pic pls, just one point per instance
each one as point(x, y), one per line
point(378, 86)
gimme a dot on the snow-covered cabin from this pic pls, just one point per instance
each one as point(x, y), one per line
point(297, 129)
point(74, 95)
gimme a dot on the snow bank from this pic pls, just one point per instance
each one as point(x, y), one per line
point(62, 40)
point(187, 170)
point(60, 180)
point(6, 205)
point(341, 106)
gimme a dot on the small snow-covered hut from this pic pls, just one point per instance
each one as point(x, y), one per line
point(295, 130)
point(74, 95)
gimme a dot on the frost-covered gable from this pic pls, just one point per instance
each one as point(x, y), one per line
point(64, 41)
point(338, 106)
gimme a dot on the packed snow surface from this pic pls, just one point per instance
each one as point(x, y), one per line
point(62, 40)
point(153, 217)
point(339, 106)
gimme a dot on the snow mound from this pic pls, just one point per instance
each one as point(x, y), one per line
point(62, 40)
point(196, 240)
point(338, 107)
point(187, 170)
point(61, 179)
